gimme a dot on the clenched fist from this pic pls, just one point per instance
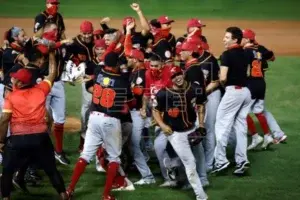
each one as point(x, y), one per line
point(135, 7)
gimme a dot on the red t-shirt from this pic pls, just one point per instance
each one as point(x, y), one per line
point(28, 108)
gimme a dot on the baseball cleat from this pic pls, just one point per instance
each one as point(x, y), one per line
point(256, 140)
point(187, 187)
point(99, 167)
point(172, 172)
point(20, 184)
point(145, 181)
point(241, 168)
point(169, 184)
point(128, 186)
point(61, 157)
point(202, 197)
point(220, 167)
point(268, 140)
point(69, 193)
point(280, 140)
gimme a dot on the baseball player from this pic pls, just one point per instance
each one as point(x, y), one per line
point(196, 60)
point(50, 15)
point(257, 87)
point(235, 104)
point(111, 94)
point(56, 101)
point(166, 26)
point(135, 59)
point(24, 109)
point(176, 104)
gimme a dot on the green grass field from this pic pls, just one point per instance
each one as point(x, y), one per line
point(274, 174)
point(254, 9)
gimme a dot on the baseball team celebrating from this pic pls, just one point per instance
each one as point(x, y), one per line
point(131, 81)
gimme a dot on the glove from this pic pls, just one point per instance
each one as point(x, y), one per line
point(197, 136)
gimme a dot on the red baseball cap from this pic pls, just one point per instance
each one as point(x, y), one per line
point(98, 32)
point(164, 20)
point(100, 43)
point(137, 54)
point(194, 22)
point(190, 46)
point(53, 1)
point(127, 20)
point(248, 34)
point(175, 70)
point(86, 27)
point(22, 75)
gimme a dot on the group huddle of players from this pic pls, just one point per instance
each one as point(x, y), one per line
point(133, 80)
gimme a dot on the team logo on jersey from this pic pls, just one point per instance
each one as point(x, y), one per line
point(173, 112)
point(139, 80)
point(168, 54)
point(205, 73)
point(106, 81)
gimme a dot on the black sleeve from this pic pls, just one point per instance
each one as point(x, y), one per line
point(90, 83)
point(203, 38)
point(172, 42)
point(266, 54)
point(104, 27)
point(62, 23)
point(129, 95)
point(39, 22)
point(163, 49)
point(159, 103)
point(9, 58)
point(201, 97)
point(215, 69)
point(224, 59)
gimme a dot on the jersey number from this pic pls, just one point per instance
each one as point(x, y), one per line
point(256, 69)
point(103, 96)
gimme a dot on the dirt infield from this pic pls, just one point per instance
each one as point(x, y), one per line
point(280, 36)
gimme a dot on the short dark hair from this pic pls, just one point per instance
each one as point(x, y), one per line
point(155, 57)
point(33, 54)
point(236, 33)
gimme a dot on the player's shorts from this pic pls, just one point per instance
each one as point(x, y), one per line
point(257, 88)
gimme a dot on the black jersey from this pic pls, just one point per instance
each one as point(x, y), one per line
point(210, 67)
point(138, 84)
point(178, 107)
point(111, 94)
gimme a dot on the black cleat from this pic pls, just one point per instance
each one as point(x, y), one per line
point(241, 168)
point(220, 167)
point(61, 157)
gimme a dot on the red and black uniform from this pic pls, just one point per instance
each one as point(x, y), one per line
point(210, 67)
point(80, 50)
point(138, 84)
point(114, 86)
point(266, 54)
point(178, 106)
point(162, 48)
point(194, 74)
point(256, 81)
point(44, 18)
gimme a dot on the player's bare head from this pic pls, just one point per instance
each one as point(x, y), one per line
point(135, 58)
point(35, 56)
point(21, 78)
point(233, 36)
point(86, 31)
point(248, 37)
point(156, 65)
point(112, 62)
point(52, 7)
point(177, 76)
point(18, 35)
point(109, 36)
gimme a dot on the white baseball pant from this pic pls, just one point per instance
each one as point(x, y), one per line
point(273, 125)
point(209, 142)
point(180, 143)
point(102, 129)
point(139, 158)
point(56, 101)
point(231, 116)
point(86, 99)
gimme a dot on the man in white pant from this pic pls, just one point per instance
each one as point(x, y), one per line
point(178, 121)
point(235, 104)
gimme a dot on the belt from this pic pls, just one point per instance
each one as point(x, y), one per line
point(100, 113)
point(238, 87)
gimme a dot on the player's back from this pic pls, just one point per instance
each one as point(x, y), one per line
point(111, 94)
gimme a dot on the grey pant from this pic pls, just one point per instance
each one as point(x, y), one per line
point(106, 130)
point(139, 158)
point(56, 102)
point(231, 116)
point(180, 143)
point(273, 125)
point(160, 144)
point(86, 99)
point(199, 155)
point(209, 142)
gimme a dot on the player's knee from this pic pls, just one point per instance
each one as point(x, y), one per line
point(84, 157)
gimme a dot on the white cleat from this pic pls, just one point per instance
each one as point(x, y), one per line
point(202, 197)
point(280, 140)
point(99, 168)
point(145, 181)
point(127, 187)
point(169, 184)
point(256, 140)
point(268, 140)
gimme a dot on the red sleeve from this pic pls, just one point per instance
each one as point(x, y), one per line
point(147, 83)
point(45, 86)
point(7, 107)
point(109, 49)
point(128, 45)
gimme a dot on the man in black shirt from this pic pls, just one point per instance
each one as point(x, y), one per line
point(235, 104)
point(177, 105)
